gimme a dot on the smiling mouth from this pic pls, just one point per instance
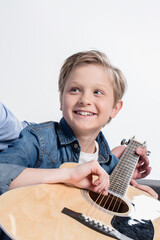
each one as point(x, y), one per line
point(82, 113)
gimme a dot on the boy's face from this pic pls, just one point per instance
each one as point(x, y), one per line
point(87, 101)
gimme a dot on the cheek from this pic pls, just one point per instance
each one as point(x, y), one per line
point(66, 103)
point(106, 108)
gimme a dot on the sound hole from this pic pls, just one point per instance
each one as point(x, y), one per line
point(110, 202)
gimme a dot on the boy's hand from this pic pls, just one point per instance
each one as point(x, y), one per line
point(82, 176)
point(144, 188)
point(142, 169)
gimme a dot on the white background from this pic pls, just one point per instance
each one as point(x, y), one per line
point(36, 36)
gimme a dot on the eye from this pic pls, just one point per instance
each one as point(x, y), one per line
point(75, 90)
point(98, 92)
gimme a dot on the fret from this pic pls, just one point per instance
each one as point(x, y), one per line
point(129, 167)
point(122, 173)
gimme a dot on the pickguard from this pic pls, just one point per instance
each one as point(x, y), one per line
point(135, 229)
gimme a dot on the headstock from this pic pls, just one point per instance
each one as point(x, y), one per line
point(125, 142)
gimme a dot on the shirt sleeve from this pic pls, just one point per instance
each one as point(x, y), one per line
point(10, 127)
point(21, 154)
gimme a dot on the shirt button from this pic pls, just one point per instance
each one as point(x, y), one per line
point(75, 145)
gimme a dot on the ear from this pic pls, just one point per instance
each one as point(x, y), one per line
point(116, 109)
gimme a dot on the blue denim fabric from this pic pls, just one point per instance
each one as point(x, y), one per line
point(10, 127)
point(47, 145)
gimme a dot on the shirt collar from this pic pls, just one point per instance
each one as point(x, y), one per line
point(104, 150)
point(65, 134)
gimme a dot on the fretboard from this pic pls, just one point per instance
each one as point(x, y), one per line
point(122, 173)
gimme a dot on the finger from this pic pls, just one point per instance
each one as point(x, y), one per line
point(147, 189)
point(141, 174)
point(133, 182)
point(141, 151)
point(105, 192)
point(143, 167)
point(102, 184)
point(146, 172)
point(117, 151)
point(144, 188)
point(100, 189)
point(143, 160)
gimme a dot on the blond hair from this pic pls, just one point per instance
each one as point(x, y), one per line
point(93, 57)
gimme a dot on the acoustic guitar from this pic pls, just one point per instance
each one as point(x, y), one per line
point(63, 212)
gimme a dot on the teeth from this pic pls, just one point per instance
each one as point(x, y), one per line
point(85, 113)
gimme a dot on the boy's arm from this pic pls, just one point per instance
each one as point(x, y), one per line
point(80, 176)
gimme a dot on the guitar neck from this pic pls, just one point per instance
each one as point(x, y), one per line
point(122, 173)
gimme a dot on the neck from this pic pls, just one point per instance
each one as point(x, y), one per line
point(122, 173)
point(87, 144)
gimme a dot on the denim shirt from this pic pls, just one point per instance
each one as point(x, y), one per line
point(47, 145)
point(10, 127)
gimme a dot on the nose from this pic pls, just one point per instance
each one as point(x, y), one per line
point(85, 99)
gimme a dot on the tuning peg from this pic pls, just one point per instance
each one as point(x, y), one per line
point(145, 144)
point(124, 142)
point(148, 153)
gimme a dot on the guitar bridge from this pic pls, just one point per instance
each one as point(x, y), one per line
point(95, 224)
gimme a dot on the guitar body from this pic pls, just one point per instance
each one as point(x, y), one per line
point(35, 213)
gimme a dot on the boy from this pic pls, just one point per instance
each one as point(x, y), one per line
point(91, 90)
point(11, 126)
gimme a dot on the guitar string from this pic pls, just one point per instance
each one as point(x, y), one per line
point(123, 169)
point(113, 185)
point(111, 199)
point(108, 197)
point(117, 201)
point(132, 149)
point(99, 215)
point(102, 215)
point(96, 203)
point(91, 212)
